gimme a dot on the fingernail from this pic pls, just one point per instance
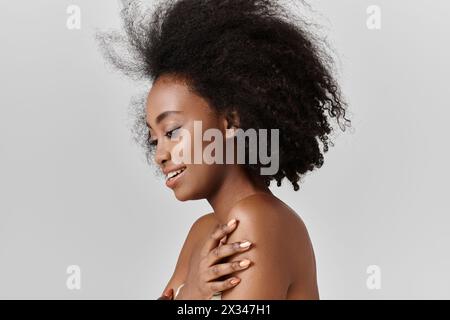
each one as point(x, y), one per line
point(234, 281)
point(245, 244)
point(168, 292)
point(231, 222)
point(244, 263)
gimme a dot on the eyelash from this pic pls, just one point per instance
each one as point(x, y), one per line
point(153, 143)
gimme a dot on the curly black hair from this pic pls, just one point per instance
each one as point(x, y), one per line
point(252, 57)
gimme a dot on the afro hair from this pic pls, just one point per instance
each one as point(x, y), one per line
point(252, 57)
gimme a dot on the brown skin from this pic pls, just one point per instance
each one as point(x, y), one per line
point(282, 258)
point(167, 295)
point(206, 270)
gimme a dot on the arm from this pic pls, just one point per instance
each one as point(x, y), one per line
point(181, 267)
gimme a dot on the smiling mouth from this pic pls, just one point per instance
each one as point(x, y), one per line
point(174, 174)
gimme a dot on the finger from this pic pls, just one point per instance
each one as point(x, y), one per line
point(217, 286)
point(219, 270)
point(227, 250)
point(167, 295)
point(223, 240)
point(219, 233)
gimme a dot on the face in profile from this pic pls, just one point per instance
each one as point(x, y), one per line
point(171, 112)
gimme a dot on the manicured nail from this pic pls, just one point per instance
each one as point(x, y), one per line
point(245, 244)
point(234, 281)
point(231, 222)
point(244, 263)
point(168, 292)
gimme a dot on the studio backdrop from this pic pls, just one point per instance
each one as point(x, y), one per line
point(78, 200)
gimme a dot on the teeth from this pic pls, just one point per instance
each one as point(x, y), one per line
point(174, 173)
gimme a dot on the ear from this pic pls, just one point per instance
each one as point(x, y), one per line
point(231, 123)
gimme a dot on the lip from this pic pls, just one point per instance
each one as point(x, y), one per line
point(171, 183)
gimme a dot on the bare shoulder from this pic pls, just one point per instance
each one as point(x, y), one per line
point(199, 228)
point(203, 225)
point(266, 215)
point(281, 247)
point(203, 220)
point(263, 212)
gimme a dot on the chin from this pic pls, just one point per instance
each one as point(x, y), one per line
point(181, 198)
point(182, 195)
point(185, 195)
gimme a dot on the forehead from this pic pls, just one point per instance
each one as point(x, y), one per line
point(168, 94)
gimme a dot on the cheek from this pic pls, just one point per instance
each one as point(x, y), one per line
point(192, 148)
point(211, 175)
point(182, 149)
point(203, 178)
point(199, 181)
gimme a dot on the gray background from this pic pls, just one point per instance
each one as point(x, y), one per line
point(75, 190)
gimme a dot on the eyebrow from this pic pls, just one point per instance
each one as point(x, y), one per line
point(162, 116)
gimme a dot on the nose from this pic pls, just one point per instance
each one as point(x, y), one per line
point(162, 154)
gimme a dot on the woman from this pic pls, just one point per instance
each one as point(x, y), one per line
point(233, 65)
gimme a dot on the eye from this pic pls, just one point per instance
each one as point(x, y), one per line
point(170, 133)
point(152, 142)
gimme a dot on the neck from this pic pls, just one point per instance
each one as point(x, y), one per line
point(237, 185)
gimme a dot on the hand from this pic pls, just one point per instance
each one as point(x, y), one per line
point(200, 284)
point(167, 295)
